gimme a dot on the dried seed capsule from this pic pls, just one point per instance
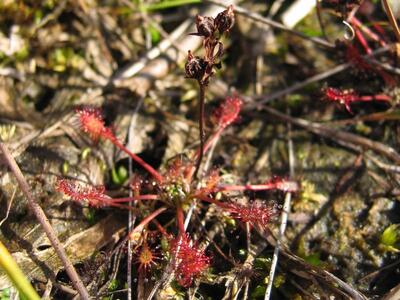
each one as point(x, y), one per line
point(225, 20)
point(195, 67)
point(205, 26)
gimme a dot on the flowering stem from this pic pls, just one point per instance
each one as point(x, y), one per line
point(206, 146)
point(157, 176)
point(202, 91)
point(209, 142)
point(226, 114)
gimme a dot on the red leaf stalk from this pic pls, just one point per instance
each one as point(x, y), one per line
point(157, 176)
point(139, 228)
point(346, 97)
point(92, 123)
point(286, 186)
point(363, 41)
point(368, 31)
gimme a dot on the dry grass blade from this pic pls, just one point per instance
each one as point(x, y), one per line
point(339, 136)
point(284, 219)
point(134, 68)
point(325, 276)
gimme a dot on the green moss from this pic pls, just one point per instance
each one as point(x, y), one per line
point(390, 238)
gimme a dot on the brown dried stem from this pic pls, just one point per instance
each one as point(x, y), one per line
point(41, 217)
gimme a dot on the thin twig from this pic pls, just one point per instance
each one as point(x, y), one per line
point(382, 165)
point(385, 66)
point(297, 265)
point(319, 15)
point(379, 271)
point(41, 217)
point(284, 219)
point(300, 85)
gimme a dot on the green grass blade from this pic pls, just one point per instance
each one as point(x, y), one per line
point(8, 264)
point(168, 4)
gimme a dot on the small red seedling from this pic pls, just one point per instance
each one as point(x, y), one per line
point(190, 260)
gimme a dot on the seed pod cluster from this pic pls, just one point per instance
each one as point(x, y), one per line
point(205, 26)
point(225, 20)
point(211, 29)
point(195, 67)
